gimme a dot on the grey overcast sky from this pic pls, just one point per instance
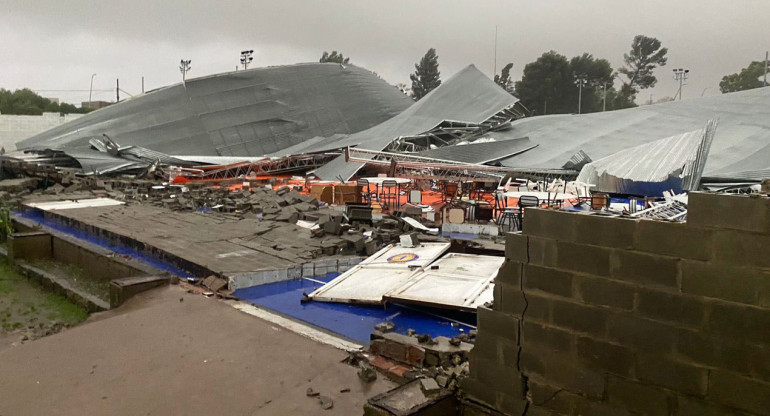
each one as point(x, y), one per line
point(50, 45)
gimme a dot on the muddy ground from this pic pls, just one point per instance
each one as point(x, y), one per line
point(168, 352)
point(28, 312)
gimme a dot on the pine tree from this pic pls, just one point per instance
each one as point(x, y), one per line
point(426, 76)
point(504, 79)
point(334, 57)
point(646, 54)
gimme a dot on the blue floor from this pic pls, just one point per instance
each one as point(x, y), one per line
point(38, 217)
point(351, 321)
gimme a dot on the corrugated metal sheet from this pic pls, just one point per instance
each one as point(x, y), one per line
point(674, 163)
point(741, 148)
point(480, 152)
point(468, 97)
point(243, 113)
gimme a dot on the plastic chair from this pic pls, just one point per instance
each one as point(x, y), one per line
point(389, 193)
point(526, 201)
point(366, 192)
point(505, 216)
point(450, 191)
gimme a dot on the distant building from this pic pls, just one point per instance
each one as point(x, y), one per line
point(15, 128)
point(94, 105)
point(53, 100)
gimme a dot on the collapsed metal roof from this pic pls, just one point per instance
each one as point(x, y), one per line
point(469, 97)
point(674, 163)
point(243, 113)
point(741, 148)
point(480, 152)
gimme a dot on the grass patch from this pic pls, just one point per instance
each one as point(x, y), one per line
point(8, 278)
point(24, 303)
point(65, 311)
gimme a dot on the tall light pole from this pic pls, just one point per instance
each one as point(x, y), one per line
point(246, 58)
point(184, 66)
point(91, 90)
point(680, 74)
point(580, 82)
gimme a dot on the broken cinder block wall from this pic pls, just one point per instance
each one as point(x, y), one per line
point(600, 315)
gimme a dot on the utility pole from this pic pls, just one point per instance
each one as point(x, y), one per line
point(604, 100)
point(580, 81)
point(680, 75)
point(91, 90)
point(142, 84)
point(494, 71)
point(117, 90)
point(246, 58)
point(184, 66)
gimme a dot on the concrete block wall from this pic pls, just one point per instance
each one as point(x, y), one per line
point(599, 315)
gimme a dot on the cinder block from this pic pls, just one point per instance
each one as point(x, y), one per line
point(538, 307)
point(511, 405)
point(736, 212)
point(510, 299)
point(563, 371)
point(486, 346)
point(758, 357)
point(641, 334)
point(730, 282)
point(647, 269)
point(579, 317)
point(604, 292)
point(549, 280)
point(672, 374)
point(734, 390)
point(516, 247)
point(715, 351)
point(674, 239)
point(498, 323)
point(492, 347)
point(478, 390)
point(742, 248)
point(583, 258)
point(605, 356)
point(536, 336)
point(605, 231)
point(549, 224)
point(509, 273)
point(691, 406)
point(742, 322)
point(550, 398)
point(494, 375)
point(635, 396)
point(542, 251)
point(672, 307)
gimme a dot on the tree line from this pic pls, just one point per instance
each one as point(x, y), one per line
point(551, 84)
point(27, 102)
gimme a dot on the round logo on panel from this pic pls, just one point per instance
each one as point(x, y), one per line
point(403, 258)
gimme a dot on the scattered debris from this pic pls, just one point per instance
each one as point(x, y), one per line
point(385, 326)
point(426, 339)
point(325, 402)
point(429, 385)
point(366, 372)
point(311, 393)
